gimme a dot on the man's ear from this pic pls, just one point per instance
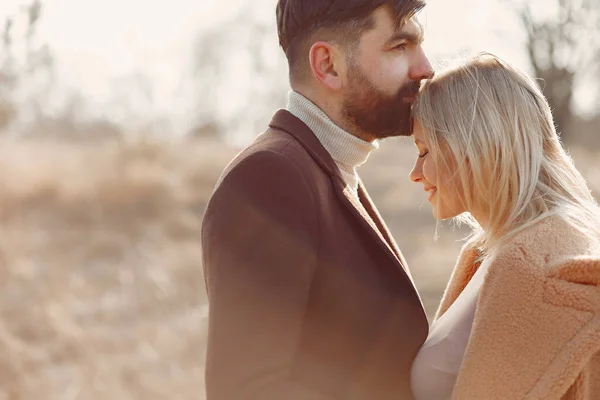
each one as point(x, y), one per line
point(326, 64)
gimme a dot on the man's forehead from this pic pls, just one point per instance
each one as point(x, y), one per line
point(387, 24)
point(412, 24)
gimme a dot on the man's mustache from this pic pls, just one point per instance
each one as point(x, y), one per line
point(410, 89)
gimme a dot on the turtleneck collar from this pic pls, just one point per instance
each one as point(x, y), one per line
point(348, 151)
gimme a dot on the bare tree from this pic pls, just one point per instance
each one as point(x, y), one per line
point(7, 76)
point(16, 71)
point(239, 60)
point(564, 50)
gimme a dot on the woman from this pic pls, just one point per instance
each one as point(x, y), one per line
point(520, 317)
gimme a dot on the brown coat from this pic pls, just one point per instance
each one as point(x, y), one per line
point(536, 333)
point(307, 299)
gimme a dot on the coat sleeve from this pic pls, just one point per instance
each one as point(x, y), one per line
point(259, 239)
point(524, 335)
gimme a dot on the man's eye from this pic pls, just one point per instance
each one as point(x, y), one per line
point(423, 155)
point(401, 46)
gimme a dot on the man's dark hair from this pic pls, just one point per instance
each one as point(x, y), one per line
point(341, 21)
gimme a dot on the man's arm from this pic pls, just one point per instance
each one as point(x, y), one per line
point(259, 243)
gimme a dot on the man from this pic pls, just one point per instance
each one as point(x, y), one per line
point(309, 296)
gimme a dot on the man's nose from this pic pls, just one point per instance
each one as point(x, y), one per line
point(422, 68)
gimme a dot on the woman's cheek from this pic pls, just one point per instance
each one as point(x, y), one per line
point(429, 171)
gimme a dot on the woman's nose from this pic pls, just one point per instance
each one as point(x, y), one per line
point(416, 175)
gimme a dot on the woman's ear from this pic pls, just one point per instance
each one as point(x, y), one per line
point(325, 64)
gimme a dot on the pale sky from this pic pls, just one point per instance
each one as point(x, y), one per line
point(100, 45)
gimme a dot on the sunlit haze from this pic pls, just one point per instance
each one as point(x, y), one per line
point(137, 55)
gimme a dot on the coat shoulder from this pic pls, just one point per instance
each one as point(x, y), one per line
point(550, 242)
point(272, 144)
point(555, 257)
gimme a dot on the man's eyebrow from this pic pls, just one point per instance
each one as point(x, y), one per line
point(413, 37)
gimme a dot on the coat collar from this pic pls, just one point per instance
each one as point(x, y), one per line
point(286, 121)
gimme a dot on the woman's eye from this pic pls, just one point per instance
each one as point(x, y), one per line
point(423, 155)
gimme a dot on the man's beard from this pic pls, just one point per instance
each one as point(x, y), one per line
point(376, 113)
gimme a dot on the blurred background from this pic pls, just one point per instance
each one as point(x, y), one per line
point(116, 119)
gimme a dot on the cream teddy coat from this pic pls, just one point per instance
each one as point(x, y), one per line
point(536, 333)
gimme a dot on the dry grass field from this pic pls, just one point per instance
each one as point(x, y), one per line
point(102, 292)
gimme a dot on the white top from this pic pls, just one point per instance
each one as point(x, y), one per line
point(348, 151)
point(436, 366)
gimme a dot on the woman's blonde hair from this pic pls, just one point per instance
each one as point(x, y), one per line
point(497, 126)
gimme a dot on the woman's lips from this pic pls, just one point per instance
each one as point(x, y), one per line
point(431, 193)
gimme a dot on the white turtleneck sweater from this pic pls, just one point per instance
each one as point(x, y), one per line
point(348, 151)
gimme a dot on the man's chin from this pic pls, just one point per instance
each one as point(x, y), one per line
point(404, 131)
point(394, 122)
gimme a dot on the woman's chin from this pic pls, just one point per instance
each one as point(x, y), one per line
point(444, 215)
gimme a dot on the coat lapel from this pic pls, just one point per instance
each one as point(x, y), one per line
point(467, 264)
point(369, 220)
point(362, 207)
point(380, 225)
